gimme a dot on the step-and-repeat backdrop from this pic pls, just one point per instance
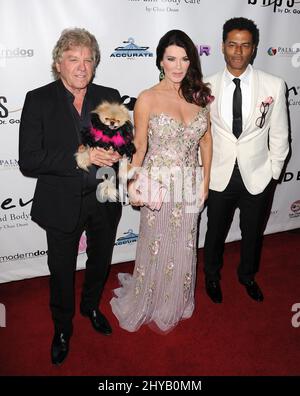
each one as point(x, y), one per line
point(29, 30)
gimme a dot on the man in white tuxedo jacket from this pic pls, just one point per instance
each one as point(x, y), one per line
point(250, 144)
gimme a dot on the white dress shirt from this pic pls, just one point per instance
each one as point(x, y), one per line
point(227, 95)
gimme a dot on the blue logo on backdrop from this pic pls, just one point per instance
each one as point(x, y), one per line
point(129, 237)
point(131, 50)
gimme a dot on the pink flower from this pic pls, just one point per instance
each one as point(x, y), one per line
point(210, 99)
point(82, 244)
point(269, 100)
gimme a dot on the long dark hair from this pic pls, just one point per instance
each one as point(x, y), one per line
point(193, 89)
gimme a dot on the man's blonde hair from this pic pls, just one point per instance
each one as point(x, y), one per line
point(76, 37)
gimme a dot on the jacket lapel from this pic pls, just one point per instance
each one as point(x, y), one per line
point(250, 122)
point(219, 92)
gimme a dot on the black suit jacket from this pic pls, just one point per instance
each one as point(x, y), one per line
point(47, 143)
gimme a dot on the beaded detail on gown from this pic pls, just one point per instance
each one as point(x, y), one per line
point(160, 292)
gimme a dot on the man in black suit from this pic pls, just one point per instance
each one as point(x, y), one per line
point(65, 201)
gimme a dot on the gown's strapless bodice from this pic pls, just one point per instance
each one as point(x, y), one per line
point(172, 143)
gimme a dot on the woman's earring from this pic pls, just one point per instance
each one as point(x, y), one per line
point(161, 74)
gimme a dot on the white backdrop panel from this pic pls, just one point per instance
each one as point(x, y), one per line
point(28, 32)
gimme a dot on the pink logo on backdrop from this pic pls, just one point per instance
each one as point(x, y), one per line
point(295, 207)
point(82, 244)
point(272, 51)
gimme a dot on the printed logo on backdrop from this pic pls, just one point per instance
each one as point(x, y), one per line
point(203, 49)
point(165, 5)
point(128, 238)
point(294, 96)
point(23, 256)
point(285, 7)
point(289, 176)
point(131, 50)
point(13, 53)
point(128, 101)
point(7, 115)
point(291, 51)
point(295, 209)
point(8, 164)
point(12, 214)
point(272, 51)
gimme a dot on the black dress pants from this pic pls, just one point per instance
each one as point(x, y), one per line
point(253, 213)
point(100, 221)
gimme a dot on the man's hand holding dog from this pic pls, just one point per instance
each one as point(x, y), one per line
point(101, 157)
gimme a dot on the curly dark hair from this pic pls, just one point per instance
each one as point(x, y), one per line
point(193, 89)
point(241, 23)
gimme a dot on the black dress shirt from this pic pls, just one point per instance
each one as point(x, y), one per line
point(82, 121)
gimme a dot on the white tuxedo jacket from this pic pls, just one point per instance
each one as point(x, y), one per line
point(260, 152)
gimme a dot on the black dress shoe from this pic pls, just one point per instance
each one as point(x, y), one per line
point(254, 291)
point(59, 348)
point(98, 320)
point(213, 290)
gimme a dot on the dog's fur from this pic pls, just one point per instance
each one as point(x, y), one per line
point(111, 127)
point(113, 115)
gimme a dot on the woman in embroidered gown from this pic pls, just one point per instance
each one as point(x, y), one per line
point(171, 122)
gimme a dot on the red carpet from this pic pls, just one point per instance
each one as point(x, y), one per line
point(237, 337)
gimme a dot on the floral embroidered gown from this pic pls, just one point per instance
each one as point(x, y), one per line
point(160, 292)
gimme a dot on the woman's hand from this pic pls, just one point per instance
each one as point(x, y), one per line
point(134, 196)
point(205, 189)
